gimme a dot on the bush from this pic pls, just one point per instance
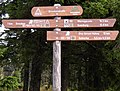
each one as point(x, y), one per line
point(9, 83)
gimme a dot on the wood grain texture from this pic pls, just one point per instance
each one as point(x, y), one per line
point(57, 62)
point(56, 11)
point(58, 23)
point(82, 35)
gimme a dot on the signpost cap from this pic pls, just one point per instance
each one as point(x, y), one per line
point(57, 4)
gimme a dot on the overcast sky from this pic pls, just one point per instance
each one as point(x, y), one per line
point(2, 28)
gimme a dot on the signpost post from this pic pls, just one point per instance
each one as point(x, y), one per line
point(57, 35)
point(57, 60)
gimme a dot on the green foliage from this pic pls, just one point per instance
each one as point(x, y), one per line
point(9, 83)
point(93, 66)
point(2, 50)
point(95, 10)
point(109, 89)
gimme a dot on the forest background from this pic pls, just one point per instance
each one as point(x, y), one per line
point(26, 55)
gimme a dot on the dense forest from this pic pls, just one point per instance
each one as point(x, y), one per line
point(26, 57)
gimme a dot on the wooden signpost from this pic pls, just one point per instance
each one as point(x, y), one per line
point(30, 23)
point(57, 60)
point(58, 23)
point(82, 23)
point(81, 35)
point(56, 11)
point(57, 35)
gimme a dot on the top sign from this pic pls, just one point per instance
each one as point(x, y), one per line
point(56, 11)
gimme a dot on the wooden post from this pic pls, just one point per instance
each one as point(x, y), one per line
point(57, 61)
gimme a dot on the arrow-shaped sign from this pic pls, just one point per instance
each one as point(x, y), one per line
point(29, 23)
point(61, 23)
point(81, 35)
point(56, 11)
point(82, 23)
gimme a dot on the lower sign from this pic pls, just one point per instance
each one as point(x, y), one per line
point(81, 35)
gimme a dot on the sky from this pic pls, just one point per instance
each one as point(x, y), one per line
point(1, 31)
point(2, 1)
point(2, 28)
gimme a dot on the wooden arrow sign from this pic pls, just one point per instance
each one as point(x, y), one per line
point(36, 23)
point(56, 11)
point(61, 23)
point(81, 35)
point(82, 23)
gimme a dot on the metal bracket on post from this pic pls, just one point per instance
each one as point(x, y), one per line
point(57, 60)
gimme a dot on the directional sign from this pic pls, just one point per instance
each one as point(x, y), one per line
point(56, 11)
point(82, 23)
point(60, 23)
point(36, 23)
point(81, 35)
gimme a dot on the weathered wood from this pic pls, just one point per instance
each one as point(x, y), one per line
point(82, 23)
point(56, 11)
point(81, 35)
point(57, 62)
point(57, 66)
point(58, 23)
point(29, 23)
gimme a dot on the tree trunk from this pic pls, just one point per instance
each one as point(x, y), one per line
point(97, 77)
point(65, 76)
point(79, 79)
point(86, 87)
point(88, 74)
point(26, 76)
point(35, 75)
